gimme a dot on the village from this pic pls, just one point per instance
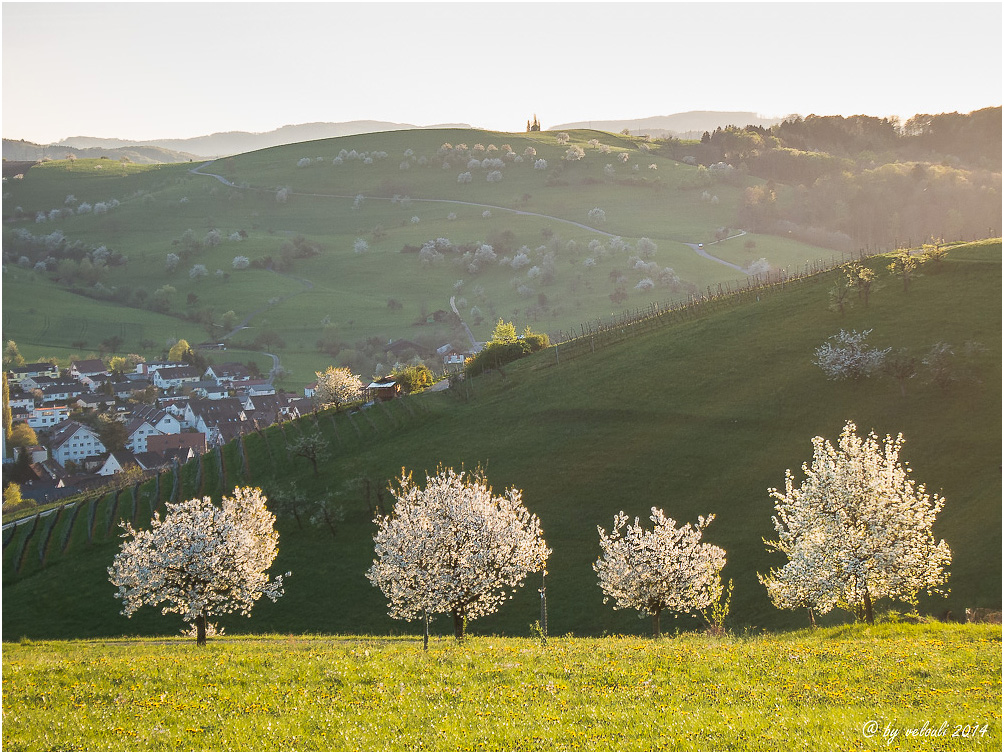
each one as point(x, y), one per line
point(90, 423)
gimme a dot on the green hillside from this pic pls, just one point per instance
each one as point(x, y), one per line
point(349, 284)
point(698, 412)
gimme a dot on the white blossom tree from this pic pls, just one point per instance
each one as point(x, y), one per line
point(455, 548)
point(856, 530)
point(665, 569)
point(847, 355)
point(337, 386)
point(200, 560)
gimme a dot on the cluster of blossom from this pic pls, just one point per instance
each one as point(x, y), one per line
point(84, 208)
point(350, 155)
point(360, 246)
point(454, 548)
point(575, 153)
point(480, 258)
point(855, 530)
point(434, 250)
point(241, 263)
point(846, 355)
point(200, 560)
point(662, 569)
point(337, 386)
point(597, 215)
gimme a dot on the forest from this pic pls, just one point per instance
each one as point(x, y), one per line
point(862, 182)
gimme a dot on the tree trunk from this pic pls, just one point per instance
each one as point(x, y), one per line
point(869, 616)
point(812, 618)
point(655, 623)
point(425, 636)
point(458, 625)
point(200, 631)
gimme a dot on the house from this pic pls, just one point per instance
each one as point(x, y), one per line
point(72, 441)
point(16, 374)
point(174, 377)
point(383, 390)
point(36, 453)
point(61, 390)
point(221, 421)
point(209, 390)
point(46, 417)
point(258, 387)
point(94, 402)
point(309, 390)
point(163, 444)
point(23, 401)
point(138, 432)
point(87, 368)
point(146, 369)
point(404, 348)
point(158, 418)
point(117, 462)
point(230, 374)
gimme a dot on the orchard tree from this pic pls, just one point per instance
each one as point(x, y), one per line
point(856, 530)
point(454, 547)
point(847, 356)
point(665, 569)
point(337, 386)
point(200, 560)
point(313, 447)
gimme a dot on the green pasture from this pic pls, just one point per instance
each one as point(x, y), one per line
point(700, 414)
point(542, 210)
point(932, 687)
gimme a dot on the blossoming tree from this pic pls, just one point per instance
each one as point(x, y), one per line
point(337, 386)
point(857, 529)
point(454, 547)
point(665, 569)
point(200, 560)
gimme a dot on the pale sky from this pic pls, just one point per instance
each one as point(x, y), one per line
point(137, 70)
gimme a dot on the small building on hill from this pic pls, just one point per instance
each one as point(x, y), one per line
point(383, 390)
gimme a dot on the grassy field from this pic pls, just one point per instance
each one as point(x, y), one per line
point(699, 415)
point(930, 687)
point(541, 209)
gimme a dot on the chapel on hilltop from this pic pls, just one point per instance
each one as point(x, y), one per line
point(535, 126)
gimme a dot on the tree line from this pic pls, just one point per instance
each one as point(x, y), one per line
point(874, 181)
point(855, 530)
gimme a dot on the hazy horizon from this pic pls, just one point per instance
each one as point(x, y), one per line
point(146, 71)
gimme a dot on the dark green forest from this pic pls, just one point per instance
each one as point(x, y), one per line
point(862, 182)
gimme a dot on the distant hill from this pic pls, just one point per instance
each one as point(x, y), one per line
point(238, 142)
point(686, 125)
point(26, 151)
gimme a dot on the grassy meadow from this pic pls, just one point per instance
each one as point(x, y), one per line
point(700, 414)
point(411, 197)
point(932, 687)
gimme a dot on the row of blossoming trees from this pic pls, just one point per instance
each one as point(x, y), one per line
point(857, 529)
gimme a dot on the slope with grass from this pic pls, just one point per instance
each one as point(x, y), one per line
point(410, 194)
point(698, 415)
point(851, 688)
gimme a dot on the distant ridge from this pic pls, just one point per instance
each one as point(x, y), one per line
point(238, 142)
point(26, 151)
point(687, 125)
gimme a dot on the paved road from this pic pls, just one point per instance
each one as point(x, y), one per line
point(702, 252)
